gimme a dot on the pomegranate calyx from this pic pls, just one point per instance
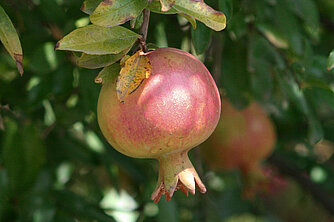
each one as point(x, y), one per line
point(176, 172)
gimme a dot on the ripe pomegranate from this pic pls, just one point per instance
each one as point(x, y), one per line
point(241, 140)
point(171, 112)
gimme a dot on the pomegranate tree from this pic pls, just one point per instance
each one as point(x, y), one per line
point(241, 140)
point(171, 112)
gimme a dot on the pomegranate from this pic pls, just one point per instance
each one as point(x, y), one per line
point(171, 112)
point(241, 140)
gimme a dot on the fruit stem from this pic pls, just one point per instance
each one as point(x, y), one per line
point(144, 29)
point(176, 172)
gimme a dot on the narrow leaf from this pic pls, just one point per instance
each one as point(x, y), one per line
point(97, 40)
point(202, 12)
point(133, 73)
point(10, 39)
point(98, 61)
point(330, 61)
point(88, 6)
point(108, 73)
point(111, 12)
point(166, 5)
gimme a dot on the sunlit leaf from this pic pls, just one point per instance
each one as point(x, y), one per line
point(330, 61)
point(166, 4)
point(10, 39)
point(135, 70)
point(98, 61)
point(202, 12)
point(108, 73)
point(88, 6)
point(112, 12)
point(98, 40)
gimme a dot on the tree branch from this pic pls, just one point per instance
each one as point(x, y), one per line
point(316, 190)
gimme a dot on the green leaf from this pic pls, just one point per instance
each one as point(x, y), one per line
point(307, 10)
point(112, 12)
point(167, 211)
point(155, 7)
point(10, 39)
point(137, 22)
point(98, 61)
point(226, 6)
point(202, 12)
point(262, 57)
point(166, 5)
point(23, 154)
point(330, 61)
point(235, 77)
point(190, 19)
point(321, 95)
point(289, 26)
point(201, 38)
point(273, 35)
point(98, 40)
point(88, 6)
point(297, 97)
point(79, 207)
point(109, 73)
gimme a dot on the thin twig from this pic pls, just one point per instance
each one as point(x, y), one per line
point(144, 29)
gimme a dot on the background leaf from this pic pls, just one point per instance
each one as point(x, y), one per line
point(330, 61)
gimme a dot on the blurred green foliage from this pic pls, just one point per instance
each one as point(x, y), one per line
point(56, 166)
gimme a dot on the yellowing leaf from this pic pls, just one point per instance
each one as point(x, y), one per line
point(166, 4)
point(202, 12)
point(134, 71)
